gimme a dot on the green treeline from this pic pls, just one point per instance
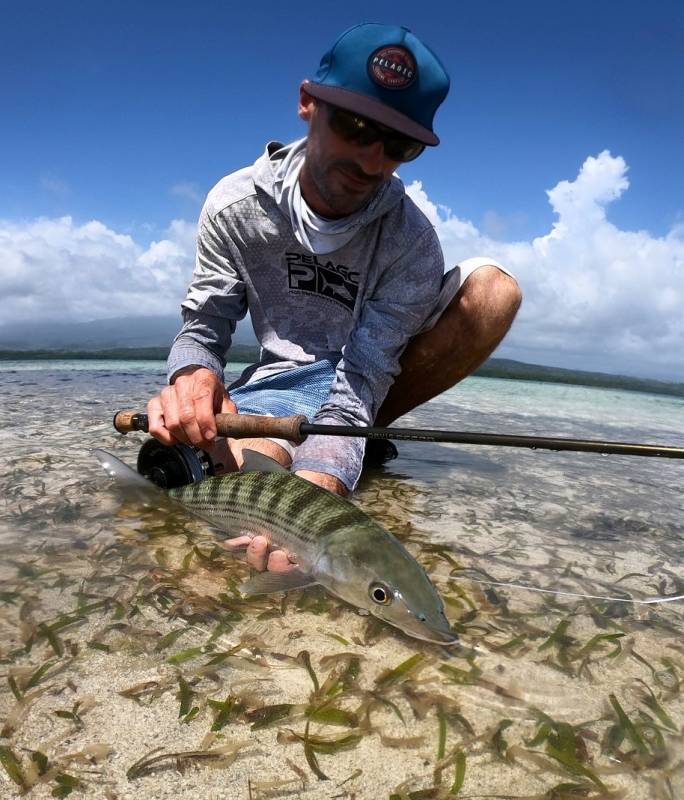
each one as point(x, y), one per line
point(518, 370)
point(238, 352)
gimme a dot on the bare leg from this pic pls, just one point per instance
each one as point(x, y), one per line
point(227, 453)
point(468, 331)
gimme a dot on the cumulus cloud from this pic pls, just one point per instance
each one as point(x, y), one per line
point(55, 269)
point(595, 295)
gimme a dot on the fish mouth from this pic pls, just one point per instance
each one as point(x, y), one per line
point(440, 637)
point(428, 633)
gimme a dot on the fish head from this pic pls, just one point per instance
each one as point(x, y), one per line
point(390, 584)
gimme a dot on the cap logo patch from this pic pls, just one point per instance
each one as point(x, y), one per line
point(392, 67)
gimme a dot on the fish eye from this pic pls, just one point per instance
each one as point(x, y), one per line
point(380, 594)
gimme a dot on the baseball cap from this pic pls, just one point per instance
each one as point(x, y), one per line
point(384, 73)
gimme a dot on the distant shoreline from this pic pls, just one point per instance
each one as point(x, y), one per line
point(493, 368)
point(238, 352)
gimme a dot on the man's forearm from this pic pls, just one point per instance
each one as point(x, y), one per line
point(187, 352)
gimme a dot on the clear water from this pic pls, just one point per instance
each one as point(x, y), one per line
point(545, 691)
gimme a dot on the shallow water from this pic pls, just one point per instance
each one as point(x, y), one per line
point(545, 691)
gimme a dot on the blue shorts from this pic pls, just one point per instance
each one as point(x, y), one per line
point(296, 391)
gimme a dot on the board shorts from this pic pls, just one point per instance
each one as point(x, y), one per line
point(304, 390)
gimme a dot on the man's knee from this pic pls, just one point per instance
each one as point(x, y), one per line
point(491, 293)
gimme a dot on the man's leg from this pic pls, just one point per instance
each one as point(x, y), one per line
point(227, 454)
point(468, 331)
point(265, 446)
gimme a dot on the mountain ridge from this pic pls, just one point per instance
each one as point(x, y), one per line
point(103, 334)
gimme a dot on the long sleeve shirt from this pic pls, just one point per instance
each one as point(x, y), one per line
point(357, 306)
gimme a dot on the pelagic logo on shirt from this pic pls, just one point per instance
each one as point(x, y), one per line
point(308, 273)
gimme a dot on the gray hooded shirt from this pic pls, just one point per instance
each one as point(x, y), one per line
point(357, 306)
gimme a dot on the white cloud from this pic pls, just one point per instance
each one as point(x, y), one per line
point(595, 295)
point(55, 269)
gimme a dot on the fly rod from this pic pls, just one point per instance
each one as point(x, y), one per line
point(297, 428)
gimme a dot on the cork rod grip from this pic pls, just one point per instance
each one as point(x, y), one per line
point(237, 426)
point(251, 426)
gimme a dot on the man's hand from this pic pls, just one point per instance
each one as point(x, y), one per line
point(186, 410)
point(260, 554)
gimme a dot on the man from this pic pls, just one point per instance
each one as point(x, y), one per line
point(341, 272)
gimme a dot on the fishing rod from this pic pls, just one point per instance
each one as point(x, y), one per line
point(180, 464)
point(296, 429)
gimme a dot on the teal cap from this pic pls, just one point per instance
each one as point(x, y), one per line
point(386, 74)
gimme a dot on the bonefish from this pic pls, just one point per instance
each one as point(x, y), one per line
point(333, 542)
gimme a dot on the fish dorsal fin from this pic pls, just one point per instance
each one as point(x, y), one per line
point(269, 582)
point(258, 462)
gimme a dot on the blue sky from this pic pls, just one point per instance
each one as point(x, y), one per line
point(127, 113)
point(107, 107)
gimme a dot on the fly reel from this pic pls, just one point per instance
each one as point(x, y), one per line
point(173, 466)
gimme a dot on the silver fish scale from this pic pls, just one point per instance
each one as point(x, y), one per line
point(291, 510)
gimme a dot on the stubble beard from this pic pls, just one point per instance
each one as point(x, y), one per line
point(341, 203)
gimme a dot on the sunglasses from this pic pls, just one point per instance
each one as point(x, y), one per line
point(355, 128)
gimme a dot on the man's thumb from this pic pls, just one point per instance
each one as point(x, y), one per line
point(227, 405)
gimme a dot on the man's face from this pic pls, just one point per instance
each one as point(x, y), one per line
point(343, 175)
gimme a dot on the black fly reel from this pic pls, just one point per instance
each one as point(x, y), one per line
point(173, 466)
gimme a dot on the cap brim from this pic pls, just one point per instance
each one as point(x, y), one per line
point(373, 109)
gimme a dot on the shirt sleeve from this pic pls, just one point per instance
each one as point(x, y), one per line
point(403, 298)
point(215, 301)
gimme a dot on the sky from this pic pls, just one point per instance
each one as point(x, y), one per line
point(561, 154)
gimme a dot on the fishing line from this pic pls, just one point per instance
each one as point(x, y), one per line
point(650, 602)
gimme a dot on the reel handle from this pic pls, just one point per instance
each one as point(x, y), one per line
point(235, 426)
point(129, 421)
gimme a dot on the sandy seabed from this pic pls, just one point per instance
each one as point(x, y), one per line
point(122, 636)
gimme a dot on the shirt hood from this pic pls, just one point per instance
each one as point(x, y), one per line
point(266, 166)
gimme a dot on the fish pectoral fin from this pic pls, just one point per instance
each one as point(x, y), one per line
point(269, 582)
point(258, 462)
